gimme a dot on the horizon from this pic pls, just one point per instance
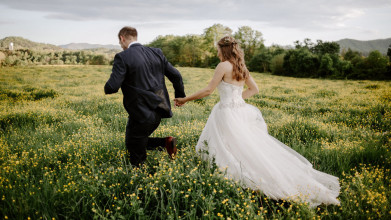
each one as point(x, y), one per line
point(59, 45)
point(280, 22)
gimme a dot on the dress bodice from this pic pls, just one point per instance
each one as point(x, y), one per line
point(230, 95)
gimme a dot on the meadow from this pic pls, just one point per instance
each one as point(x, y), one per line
point(62, 153)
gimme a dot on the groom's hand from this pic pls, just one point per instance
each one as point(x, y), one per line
point(178, 105)
point(178, 102)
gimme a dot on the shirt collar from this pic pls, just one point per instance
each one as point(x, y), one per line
point(134, 42)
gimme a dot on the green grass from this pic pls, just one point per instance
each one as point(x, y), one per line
point(62, 152)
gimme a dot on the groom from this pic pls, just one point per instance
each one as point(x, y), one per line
point(139, 71)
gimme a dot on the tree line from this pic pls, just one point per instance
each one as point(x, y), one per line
point(201, 51)
point(323, 59)
point(23, 57)
point(305, 59)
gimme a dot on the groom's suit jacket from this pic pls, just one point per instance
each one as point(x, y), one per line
point(139, 71)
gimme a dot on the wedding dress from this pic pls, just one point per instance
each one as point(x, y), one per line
point(236, 136)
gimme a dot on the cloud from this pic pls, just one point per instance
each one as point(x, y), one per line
point(321, 14)
point(6, 22)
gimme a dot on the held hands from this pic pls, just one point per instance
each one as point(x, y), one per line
point(179, 101)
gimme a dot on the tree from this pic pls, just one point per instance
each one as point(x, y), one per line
point(191, 53)
point(377, 65)
point(300, 62)
point(170, 45)
point(260, 62)
point(344, 68)
point(182, 50)
point(326, 66)
point(372, 67)
point(307, 43)
point(11, 60)
point(277, 64)
point(250, 41)
point(389, 52)
point(276, 50)
point(211, 36)
point(319, 48)
point(214, 33)
point(56, 62)
point(350, 55)
point(322, 48)
point(98, 60)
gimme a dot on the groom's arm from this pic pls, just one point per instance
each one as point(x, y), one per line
point(175, 77)
point(117, 76)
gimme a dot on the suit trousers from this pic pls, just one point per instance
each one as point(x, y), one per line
point(137, 138)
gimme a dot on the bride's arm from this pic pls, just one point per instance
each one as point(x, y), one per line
point(221, 69)
point(252, 88)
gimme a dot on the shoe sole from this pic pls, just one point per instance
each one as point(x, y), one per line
point(174, 149)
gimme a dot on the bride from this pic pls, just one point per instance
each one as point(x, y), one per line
point(236, 136)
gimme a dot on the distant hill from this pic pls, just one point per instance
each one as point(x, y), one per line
point(83, 46)
point(365, 46)
point(22, 43)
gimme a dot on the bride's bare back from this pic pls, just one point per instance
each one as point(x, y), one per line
point(228, 75)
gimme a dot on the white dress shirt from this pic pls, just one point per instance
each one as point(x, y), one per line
point(134, 42)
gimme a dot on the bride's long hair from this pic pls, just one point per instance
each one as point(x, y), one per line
point(231, 51)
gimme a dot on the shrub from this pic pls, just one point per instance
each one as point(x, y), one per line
point(277, 63)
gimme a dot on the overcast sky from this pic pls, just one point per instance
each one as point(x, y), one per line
point(280, 22)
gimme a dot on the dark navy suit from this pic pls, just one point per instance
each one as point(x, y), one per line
point(140, 73)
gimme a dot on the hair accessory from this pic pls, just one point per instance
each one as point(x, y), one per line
point(226, 41)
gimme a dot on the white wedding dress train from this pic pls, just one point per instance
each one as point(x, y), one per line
point(236, 136)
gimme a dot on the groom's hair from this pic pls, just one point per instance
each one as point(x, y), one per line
point(127, 32)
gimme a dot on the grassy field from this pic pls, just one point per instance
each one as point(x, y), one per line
point(62, 153)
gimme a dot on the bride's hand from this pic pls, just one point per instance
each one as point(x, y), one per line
point(179, 101)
